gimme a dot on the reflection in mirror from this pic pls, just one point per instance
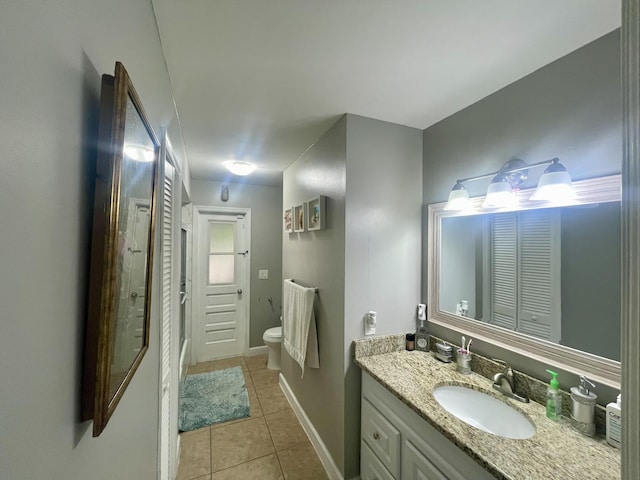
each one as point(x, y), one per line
point(551, 273)
point(138, 170)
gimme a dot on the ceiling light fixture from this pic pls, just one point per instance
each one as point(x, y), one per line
point(239, 168)
point(554, 186)
point(139, 153)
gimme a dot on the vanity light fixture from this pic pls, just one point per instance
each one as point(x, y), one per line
point(239, 168)
point(554, 186)
point(458, 198)
point(500, 193)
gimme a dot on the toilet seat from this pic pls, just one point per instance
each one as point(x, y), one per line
point(273, 334)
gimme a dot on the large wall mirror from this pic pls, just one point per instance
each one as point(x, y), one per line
point(545, 282)
point(117, 334)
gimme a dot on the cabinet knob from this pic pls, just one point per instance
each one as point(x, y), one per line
point(376, 436)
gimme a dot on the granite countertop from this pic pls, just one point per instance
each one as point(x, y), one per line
point(556, 451)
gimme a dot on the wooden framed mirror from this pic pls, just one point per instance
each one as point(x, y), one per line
point(117, 332)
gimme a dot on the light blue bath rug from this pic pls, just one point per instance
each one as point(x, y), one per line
point(213, 397)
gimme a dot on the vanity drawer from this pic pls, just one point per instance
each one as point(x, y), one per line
point(370, 467)
point(382, 437)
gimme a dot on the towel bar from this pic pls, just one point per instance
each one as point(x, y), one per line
point(293, 281)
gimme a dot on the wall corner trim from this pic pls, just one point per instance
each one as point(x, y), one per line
point(630, 238)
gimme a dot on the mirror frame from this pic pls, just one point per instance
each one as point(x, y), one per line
point(103, 281)
point(602, 370)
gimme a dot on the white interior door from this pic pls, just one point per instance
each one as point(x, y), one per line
point(222, 316)
point(132, 290)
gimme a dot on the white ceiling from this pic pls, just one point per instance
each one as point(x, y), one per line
point(261, 80)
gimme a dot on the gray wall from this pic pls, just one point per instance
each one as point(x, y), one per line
point(52, 57)
point(569, 109)
point(366, 259)
point(265, 203)
point(382, 250)
point(317, 259)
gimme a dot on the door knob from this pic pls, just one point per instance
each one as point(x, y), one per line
point(239, 291)
point(134, 295)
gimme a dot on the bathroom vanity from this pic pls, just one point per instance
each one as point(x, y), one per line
point(398, 443)
point(406, 434)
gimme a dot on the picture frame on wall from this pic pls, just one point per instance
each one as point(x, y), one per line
point(287, 220)
point(299, 218)
point(316, 213)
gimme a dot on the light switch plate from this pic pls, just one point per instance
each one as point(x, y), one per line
point(263, 274)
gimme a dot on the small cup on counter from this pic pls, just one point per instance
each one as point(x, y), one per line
point(463, 360)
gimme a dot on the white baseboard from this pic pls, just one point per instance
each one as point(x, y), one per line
point(253, 351)
point(318, 445)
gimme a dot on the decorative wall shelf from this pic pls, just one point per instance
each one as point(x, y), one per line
point(316, 213)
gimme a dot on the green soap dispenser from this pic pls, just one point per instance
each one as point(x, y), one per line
point(554, 398)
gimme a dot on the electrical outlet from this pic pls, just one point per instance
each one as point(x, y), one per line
point(263, 274)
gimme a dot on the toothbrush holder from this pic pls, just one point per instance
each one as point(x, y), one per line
point(463, 360)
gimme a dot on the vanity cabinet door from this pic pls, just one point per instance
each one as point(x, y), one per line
point(415, 466)
point(381, 436)
point(370, 467)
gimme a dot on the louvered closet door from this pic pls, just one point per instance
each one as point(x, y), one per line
point(503, 273)
point(167, 307)
point(539, 274)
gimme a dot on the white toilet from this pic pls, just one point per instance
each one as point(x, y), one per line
point(273, 339)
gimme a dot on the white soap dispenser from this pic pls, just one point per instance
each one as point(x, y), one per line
point(583, 405)
point(614, 423)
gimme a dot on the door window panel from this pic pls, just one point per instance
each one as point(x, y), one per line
point(221, 269)
point(221, 253)
point(221, 237)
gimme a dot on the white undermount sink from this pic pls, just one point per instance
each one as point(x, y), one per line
point(484, 412)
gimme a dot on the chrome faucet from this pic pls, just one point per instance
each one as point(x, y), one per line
point(504, 383)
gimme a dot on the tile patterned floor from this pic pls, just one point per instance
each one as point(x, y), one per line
point(268, 445)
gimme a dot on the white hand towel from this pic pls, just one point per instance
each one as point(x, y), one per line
point(300, 338)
